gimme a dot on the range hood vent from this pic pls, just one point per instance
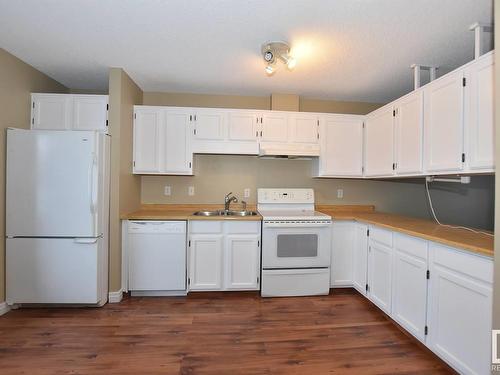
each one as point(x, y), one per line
point(288, 150)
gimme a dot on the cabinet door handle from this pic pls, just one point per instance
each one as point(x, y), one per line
point(261, 133)
point(257, 133)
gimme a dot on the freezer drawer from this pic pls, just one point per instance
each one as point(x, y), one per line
point(62, 270)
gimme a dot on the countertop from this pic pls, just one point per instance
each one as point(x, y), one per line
point(426, 229)
point(185, 212)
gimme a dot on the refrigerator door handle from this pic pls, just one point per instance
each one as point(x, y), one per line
point(85, 240)
point(92, 183)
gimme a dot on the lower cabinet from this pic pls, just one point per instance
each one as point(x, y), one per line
point(409, 286)
point(360, 258)
point(205, 262)
point(224, 255)
point(460, 309)
point(439, 294)
point(242, 261)
point(341, 269)
point(380, 268)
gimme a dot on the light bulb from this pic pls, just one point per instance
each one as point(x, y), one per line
point(291, 63)
point(269, 69)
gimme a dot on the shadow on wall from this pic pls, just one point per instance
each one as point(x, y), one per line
point(216, 175)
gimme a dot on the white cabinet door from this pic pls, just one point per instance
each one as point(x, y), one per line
point(341, 146)
point(90, 112)
point(147, 140)
point(243, 126)
point(409, 133)
point(409, 284)
point(242, 262)
point(479, 119)
point(209, 125)
point(304, 128)
point(443, 125)
point(379, 142)
point(360, 258)
point(178, 158)
point(342, 253)
point(380, 275)
point(205, 262)
point(460, 308)
point(274, 127)
point(51, 111)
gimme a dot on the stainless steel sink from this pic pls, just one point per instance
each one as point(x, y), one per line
point(209, 213)
point(225, 213)
point(241, 213)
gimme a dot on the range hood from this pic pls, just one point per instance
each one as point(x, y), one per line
point(288, 150)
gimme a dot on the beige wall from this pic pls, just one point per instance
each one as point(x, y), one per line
point(125, 187)
point(496, 286)
point(216, 175)
point(332, 106)
point(285, 102)
point(17, 81)
point(209, 101)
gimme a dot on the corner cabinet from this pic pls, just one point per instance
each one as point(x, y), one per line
point(69, 112)
point(341, 146)
point(379, 142)
point(224, 255)
point(162, 141)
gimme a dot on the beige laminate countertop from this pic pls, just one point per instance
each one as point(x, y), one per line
point(426, 229)
point(184, 212)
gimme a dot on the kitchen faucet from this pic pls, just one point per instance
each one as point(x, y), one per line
point(228, 199)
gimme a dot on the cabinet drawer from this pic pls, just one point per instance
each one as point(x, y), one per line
point(205, 226)
point(475, 266)
point(381, 235)
point(237, 227)
point(411, 245)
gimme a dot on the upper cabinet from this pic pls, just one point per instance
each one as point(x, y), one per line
point(479, 114)
point(444, 116)
point(409, 127)
point(69, 112)
point(274, 127)
point(162, 141)
point(341, 146)
point(379, 142)
point(303, 127)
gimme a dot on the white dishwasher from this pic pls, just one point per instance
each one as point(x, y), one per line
point(157, 258)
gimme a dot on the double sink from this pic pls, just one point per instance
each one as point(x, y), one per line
point(225, 213)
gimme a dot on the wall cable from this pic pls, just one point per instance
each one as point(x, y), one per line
point(447, 225)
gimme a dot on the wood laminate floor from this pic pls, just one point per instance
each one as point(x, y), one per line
point(215, 333)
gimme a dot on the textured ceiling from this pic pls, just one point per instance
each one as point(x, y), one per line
point(356, 50)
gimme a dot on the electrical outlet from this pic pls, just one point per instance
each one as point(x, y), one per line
point(246, 193)
point(191, 190)
point(167, 191)
point(340, 193)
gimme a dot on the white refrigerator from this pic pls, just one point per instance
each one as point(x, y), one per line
point(57, 215)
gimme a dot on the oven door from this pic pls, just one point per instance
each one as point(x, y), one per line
point(296, 244)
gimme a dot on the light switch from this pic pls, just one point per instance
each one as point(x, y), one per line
point(246, 193)
point(191, 190)
point(340, 193)
point(167, 190)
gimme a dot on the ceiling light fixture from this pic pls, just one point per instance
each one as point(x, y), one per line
point(274, 51)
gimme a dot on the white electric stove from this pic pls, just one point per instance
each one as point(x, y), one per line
point(295, 244)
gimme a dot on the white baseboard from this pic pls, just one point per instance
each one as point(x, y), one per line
point(4, 308)
point(115, 297)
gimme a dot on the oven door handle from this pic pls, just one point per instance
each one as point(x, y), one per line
point(297, 225)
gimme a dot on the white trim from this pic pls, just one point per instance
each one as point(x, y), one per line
point(115, 297)
point(4, 308)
